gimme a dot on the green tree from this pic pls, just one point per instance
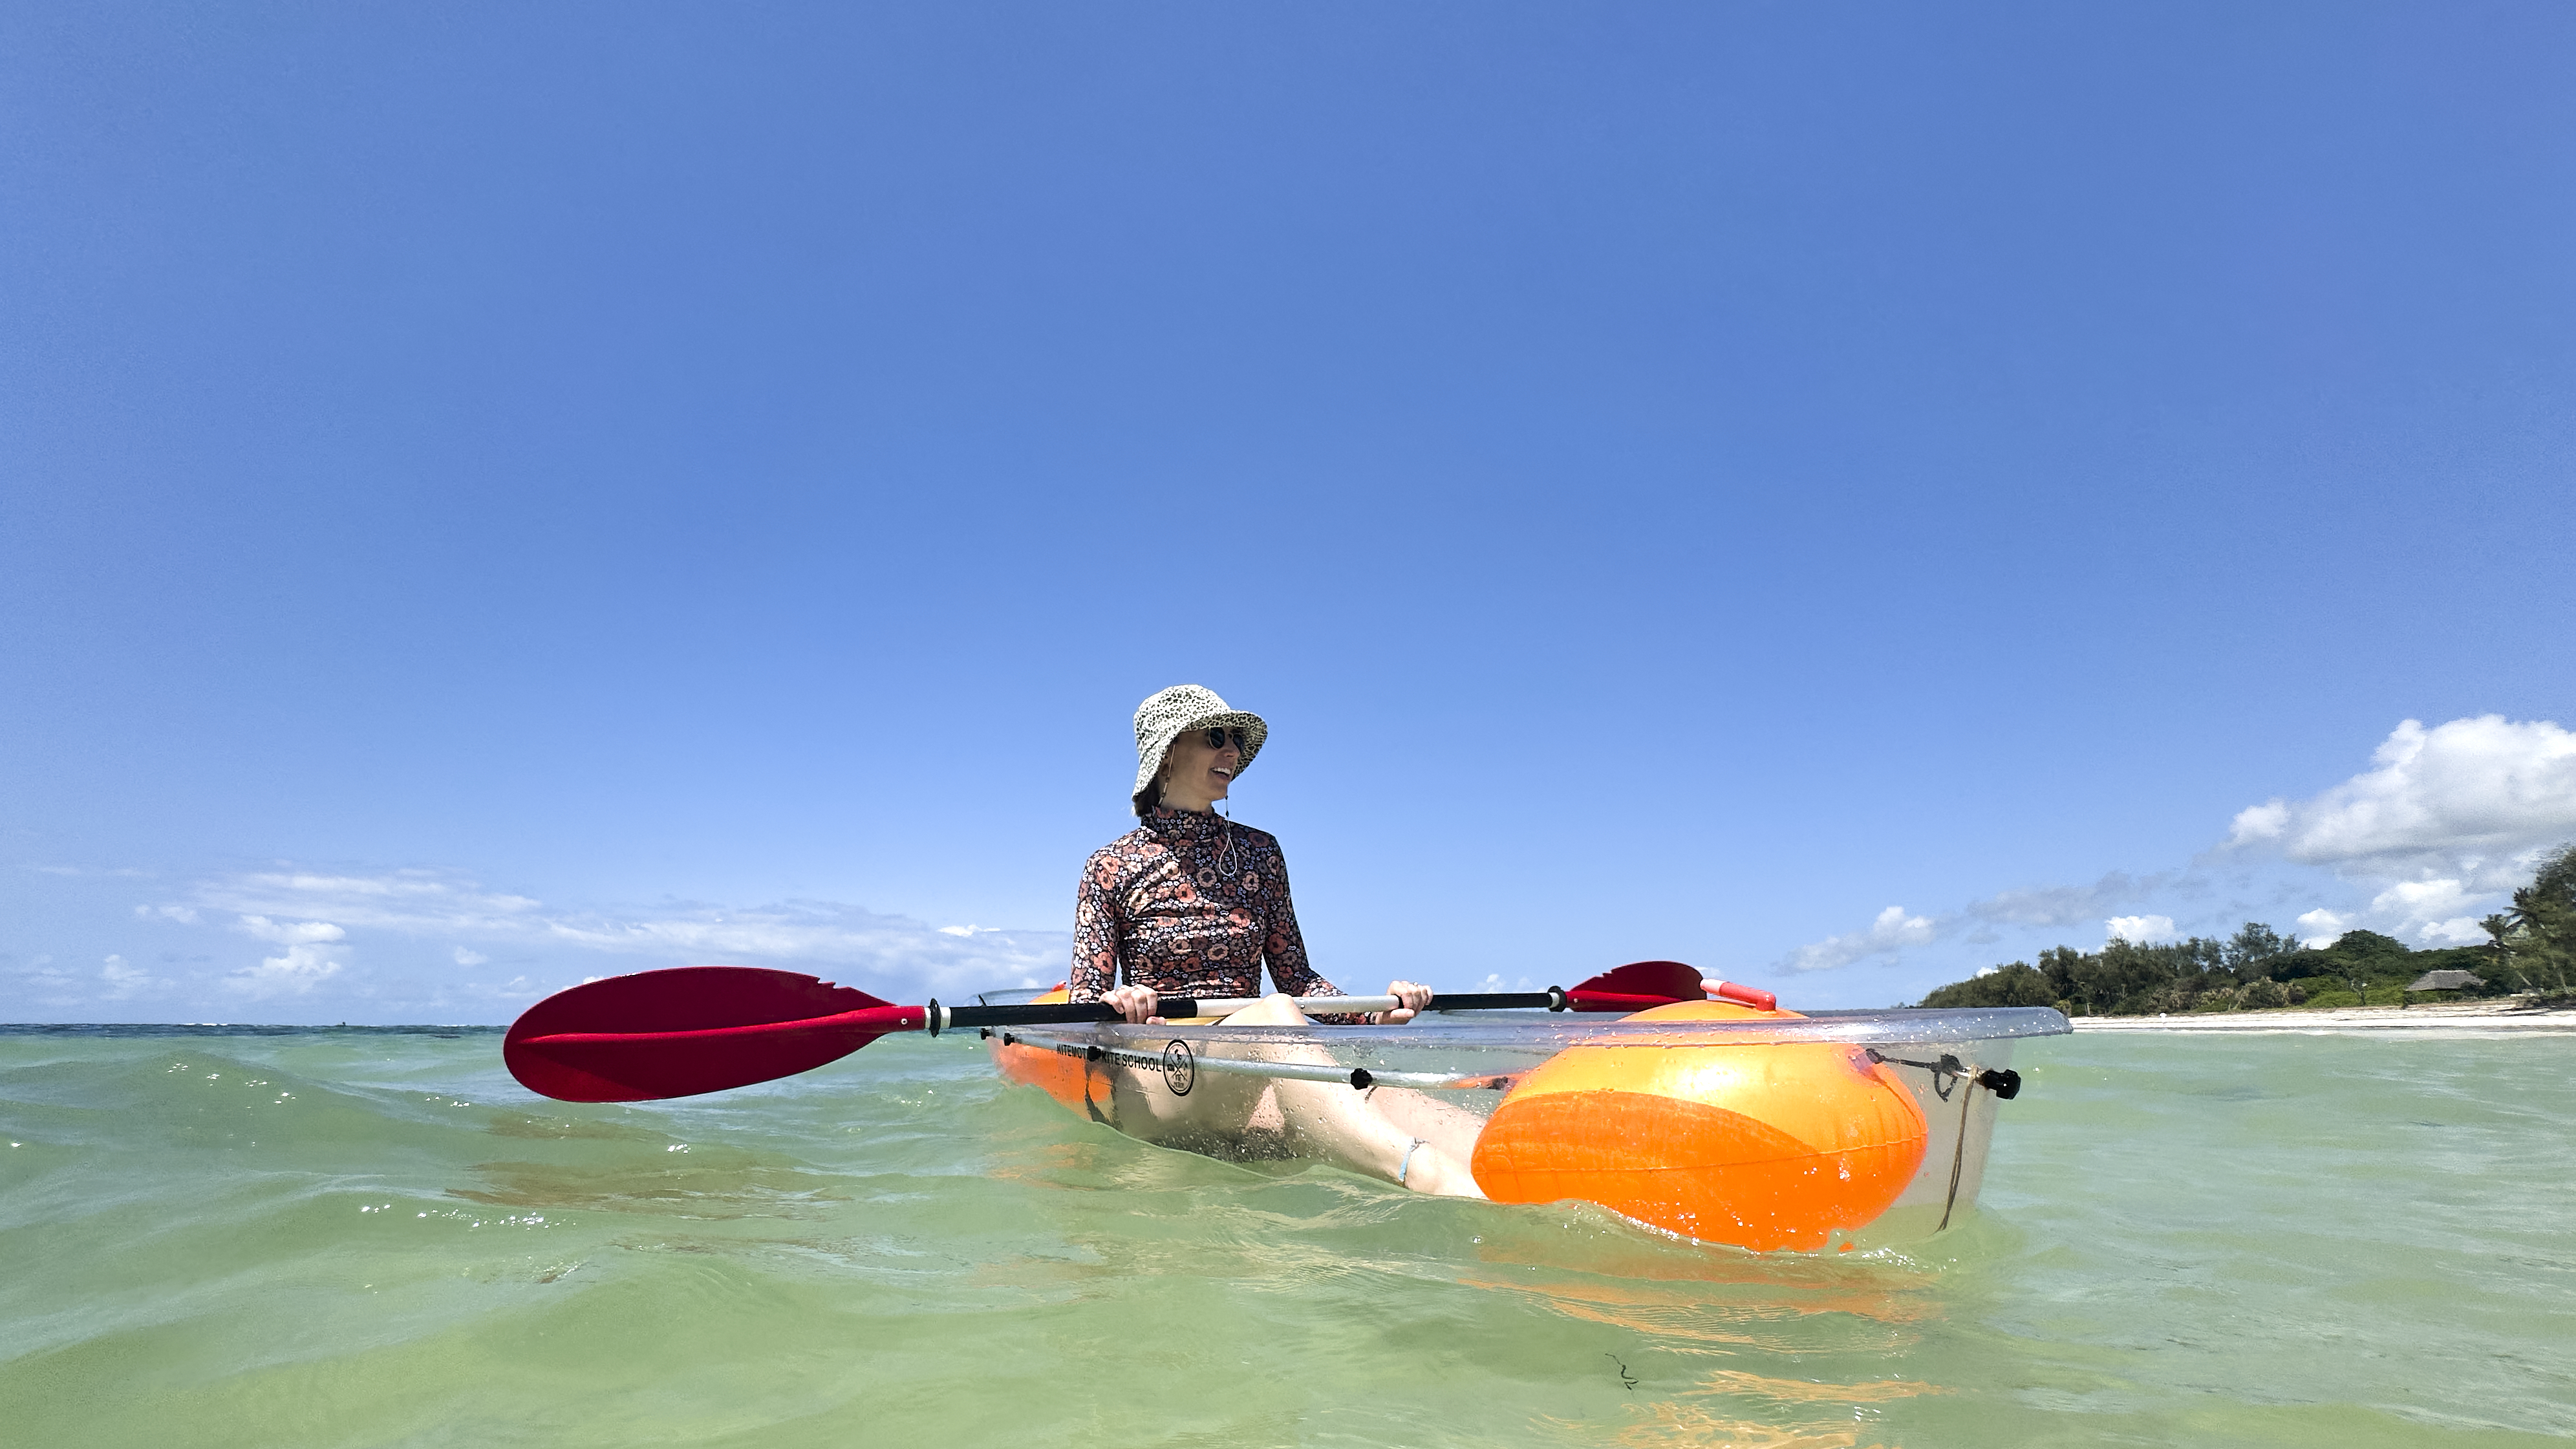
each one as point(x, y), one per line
point(2252, 950)
point(2502, 967)
point(2013, 985)
point(2542, 941)
point(2364, 947)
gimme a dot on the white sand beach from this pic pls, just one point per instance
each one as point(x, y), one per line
point(2480, 1016)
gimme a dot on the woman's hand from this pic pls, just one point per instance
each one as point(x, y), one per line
point(1413, 994)
point(1136, 1003)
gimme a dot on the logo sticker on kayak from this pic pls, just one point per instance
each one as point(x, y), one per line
point(1180, 1070)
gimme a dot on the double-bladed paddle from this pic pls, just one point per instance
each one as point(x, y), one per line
point(694, 1029)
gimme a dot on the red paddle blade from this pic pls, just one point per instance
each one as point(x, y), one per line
point(1638, 985)
point(688, 1030)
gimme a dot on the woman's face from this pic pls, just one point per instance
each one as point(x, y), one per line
point(1196, 774)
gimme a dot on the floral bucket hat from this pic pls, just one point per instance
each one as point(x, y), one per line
point(1167, 713)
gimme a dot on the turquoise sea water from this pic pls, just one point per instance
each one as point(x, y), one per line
point(376, 1238)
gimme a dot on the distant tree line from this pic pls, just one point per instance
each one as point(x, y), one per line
point(2530, 949)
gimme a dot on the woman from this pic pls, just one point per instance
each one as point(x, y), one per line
point(1191, 904)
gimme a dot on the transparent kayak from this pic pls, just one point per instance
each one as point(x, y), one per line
point(1828, 1131)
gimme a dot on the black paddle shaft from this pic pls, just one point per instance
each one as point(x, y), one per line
point(949, 1018)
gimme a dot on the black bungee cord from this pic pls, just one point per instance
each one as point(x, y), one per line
point(1947, 1074)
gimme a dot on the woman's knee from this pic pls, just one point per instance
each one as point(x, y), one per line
point(1276, 1009)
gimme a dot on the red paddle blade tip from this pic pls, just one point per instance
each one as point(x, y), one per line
point(1638, 985)
point(1741, 994)
point(689, 1030)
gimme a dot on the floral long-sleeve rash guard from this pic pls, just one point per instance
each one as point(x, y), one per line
point(1190, 905)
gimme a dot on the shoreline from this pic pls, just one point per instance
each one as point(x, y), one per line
point(2479, 1016)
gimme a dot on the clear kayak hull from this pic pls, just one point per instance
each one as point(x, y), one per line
point(1826, 1132)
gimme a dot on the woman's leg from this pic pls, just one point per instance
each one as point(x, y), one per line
point(1429, 1116)
point(1422, 1144)
point(1223, 1115)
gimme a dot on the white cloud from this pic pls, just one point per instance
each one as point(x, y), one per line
point(2474, 798)
point(2421, 899)
point(2320, 927)
point(298, 971)
point(880, 953)
point(2427, 914)
point(2457, 931)
point(43, 983)
point(2260, 822)
point(292, 933)
point(1890, 933)
point(2433, 912)
point(2068, 905)
point(2139, 930)
point(406, 900)
point(306, 963)
point(2444, 823)
point(123, 981)
point(2041, 906)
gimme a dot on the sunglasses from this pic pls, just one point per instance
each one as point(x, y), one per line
point(1216, 738)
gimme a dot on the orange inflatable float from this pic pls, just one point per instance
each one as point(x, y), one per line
point(1795, 1144)
point(1762, 1146)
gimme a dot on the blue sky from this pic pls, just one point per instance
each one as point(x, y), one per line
point(493, 495)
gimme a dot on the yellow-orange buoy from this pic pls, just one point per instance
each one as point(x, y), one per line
point(1761, 1146)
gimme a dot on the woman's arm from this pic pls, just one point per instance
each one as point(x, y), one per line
point(1098, 923)
point(1095, 932)
point(1283, 947)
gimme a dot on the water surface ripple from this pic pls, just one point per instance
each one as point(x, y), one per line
point(316, 1238)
